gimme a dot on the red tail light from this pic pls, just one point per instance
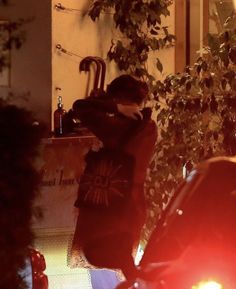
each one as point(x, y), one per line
point(210, 284)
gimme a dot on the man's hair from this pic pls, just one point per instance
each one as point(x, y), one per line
point(126, 87)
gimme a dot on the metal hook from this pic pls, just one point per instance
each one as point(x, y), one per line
point(58, 46)
point(59, 7)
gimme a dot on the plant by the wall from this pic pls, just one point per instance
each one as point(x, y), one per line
point(196, 119)
point(140, 24)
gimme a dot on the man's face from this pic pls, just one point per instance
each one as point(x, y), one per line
point(126, 101)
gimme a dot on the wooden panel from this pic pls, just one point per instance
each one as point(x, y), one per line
point(180, 32)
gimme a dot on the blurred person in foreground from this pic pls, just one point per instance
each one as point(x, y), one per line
point(20, 138)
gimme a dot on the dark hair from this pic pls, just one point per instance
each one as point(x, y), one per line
point(126, 87)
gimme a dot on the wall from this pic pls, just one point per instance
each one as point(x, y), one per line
point(30, 75)
point(39, 67)
point(82, 37)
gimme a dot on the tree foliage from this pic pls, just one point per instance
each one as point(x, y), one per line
point(196, 118)
point(139, 22)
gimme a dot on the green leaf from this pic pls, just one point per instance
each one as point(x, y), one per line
point(204, 66)
point(153, 31)
point(188, 85)
point(165, 29)
point(232, 55)
point(159, 65)
point(165, 12)
point(94, 13)
point(224, 56)
point(154, 44)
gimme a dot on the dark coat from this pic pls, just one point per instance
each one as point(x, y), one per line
point(138, 137)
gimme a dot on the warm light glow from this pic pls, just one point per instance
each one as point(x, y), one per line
point(234, 1)
point(208, 285)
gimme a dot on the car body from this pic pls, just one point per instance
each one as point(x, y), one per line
point(194, 243)
point(33, 273)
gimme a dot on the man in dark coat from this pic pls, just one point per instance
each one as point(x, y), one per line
point(108, 239)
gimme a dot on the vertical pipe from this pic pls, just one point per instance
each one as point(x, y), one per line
point(187, 32)
point(205, 21)
point(201, 26)
point(180, 27)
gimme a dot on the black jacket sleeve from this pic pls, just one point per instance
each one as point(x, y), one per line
point(102, 118)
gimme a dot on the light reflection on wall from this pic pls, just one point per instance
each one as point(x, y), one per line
point(60, 276)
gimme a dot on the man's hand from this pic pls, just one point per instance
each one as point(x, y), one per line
point(130, 110)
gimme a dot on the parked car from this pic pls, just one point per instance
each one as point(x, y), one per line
point(33, 273)
point(194, 243)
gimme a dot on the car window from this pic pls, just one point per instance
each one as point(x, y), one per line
point(175, 229)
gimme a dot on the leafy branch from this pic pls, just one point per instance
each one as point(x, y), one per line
point(196, 119)
point(139, 22)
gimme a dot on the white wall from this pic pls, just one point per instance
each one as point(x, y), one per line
point(38, 67)
point(82, 37)
point(31, 65)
